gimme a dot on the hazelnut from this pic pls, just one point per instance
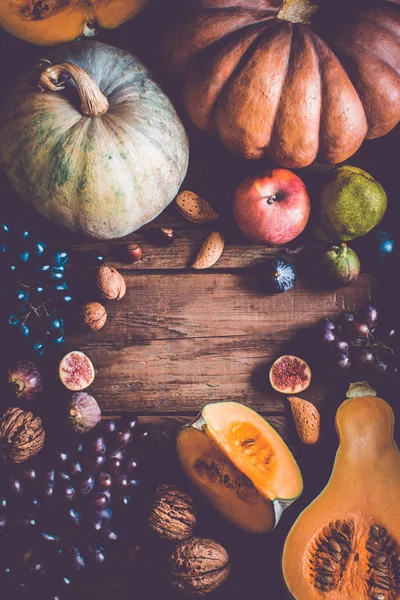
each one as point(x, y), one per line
point(110, 283)
point(166, 236)
point(94, 315)
point(133, 253)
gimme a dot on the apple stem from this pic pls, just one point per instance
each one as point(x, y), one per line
point(271, 199)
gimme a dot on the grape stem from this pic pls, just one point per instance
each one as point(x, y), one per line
point(372, 342)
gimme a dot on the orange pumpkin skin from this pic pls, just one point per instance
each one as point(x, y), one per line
point(296, 91)
point(56, 21)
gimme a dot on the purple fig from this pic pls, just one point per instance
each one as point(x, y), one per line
point(83, 412)
point(25, 380)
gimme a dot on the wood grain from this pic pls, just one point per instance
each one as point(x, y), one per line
point(179, 341)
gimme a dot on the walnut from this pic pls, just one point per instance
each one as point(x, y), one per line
point(21, 435)
point(172, 516)
point(94, 315)
point(110, 283)
point(198, 566)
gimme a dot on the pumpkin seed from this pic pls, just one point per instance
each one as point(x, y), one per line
point(382, 532)
point(335, 546)
point(375, 532)
point(379, 559)
point(249, 442)
point(378, 596)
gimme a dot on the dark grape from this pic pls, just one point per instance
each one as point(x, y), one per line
point(131, 422)
point(49, 539)
point(325, 324)
point(124, 438)
point(96, 555)
point(106, 514)
point(328, 337)
point(104, 482)
point(341, 364)
point(85, 484)
point(75, 467)
point(69, 493)
point(61, 476)
point(99, 445)
point(126, 499)
point(50, 476)
point(95, 525)
point(382, 368)
point(62, 457)
point(99, 501)
point(16, 487)
point(117, 453)
point(131, 466)
point(122, 482)
point(145, 436)
point(29, 474)
point(368, 315)
point(363, 357)
point(358, 331)
point(94, 461)
point(78, 561)
point(346, 318)
point(27, 521)
point(3, 523)
point(339, 347)
point(74, 517)
point(113, 466)
point(49, 490)
point(111, 536)
point(109, 426)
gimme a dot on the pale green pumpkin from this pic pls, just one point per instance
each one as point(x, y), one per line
point(98, 147)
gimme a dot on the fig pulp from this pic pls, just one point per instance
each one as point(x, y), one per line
point(290, 375)
point(24, 380)
point(241, 464)
point(76, 371)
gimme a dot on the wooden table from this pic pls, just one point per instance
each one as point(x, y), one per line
point(181, 339)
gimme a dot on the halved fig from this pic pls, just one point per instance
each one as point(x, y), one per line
point(241, 464)
point(76, 371)
point(290, 375)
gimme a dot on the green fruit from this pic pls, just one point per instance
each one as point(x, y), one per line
point(340, 265)
point(352, 204)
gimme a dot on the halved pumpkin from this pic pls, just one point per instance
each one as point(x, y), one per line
point(53, 22)
point(346, 544)
point(241, 464)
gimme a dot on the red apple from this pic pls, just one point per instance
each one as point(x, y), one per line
point(273, 208)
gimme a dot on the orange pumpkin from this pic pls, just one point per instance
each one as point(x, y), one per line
point(287, 78)
point(50, 22)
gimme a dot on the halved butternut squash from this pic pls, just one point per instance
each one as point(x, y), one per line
point(53, 22)
point(241, 464)
point(346, 544)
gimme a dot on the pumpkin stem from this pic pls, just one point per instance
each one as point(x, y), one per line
point(93, 102)
point(297, 11)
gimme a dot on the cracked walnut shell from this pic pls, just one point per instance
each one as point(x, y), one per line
point(172, 516)
point(21, 436)
point(94, 315)
point(110, 283)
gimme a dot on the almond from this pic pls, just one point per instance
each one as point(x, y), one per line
point(194, 208)
point(306, 418)
point(210, 251)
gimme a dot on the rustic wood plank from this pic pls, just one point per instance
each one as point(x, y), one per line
point(174, 343)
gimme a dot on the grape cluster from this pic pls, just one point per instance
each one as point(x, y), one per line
point(357, 345)
point(34, 288)
point(72, 513)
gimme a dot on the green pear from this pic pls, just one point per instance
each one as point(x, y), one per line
point(352, 203)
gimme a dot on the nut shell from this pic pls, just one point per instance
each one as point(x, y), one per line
point(21, 436)
point(94, 315)
point(172, 516)
point(198, 566)
point(83, 412)
point(110, 283)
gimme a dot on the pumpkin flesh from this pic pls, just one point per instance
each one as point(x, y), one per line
point(362, 493)
point(297, 91)
point(57, 21)
point(241, 464)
